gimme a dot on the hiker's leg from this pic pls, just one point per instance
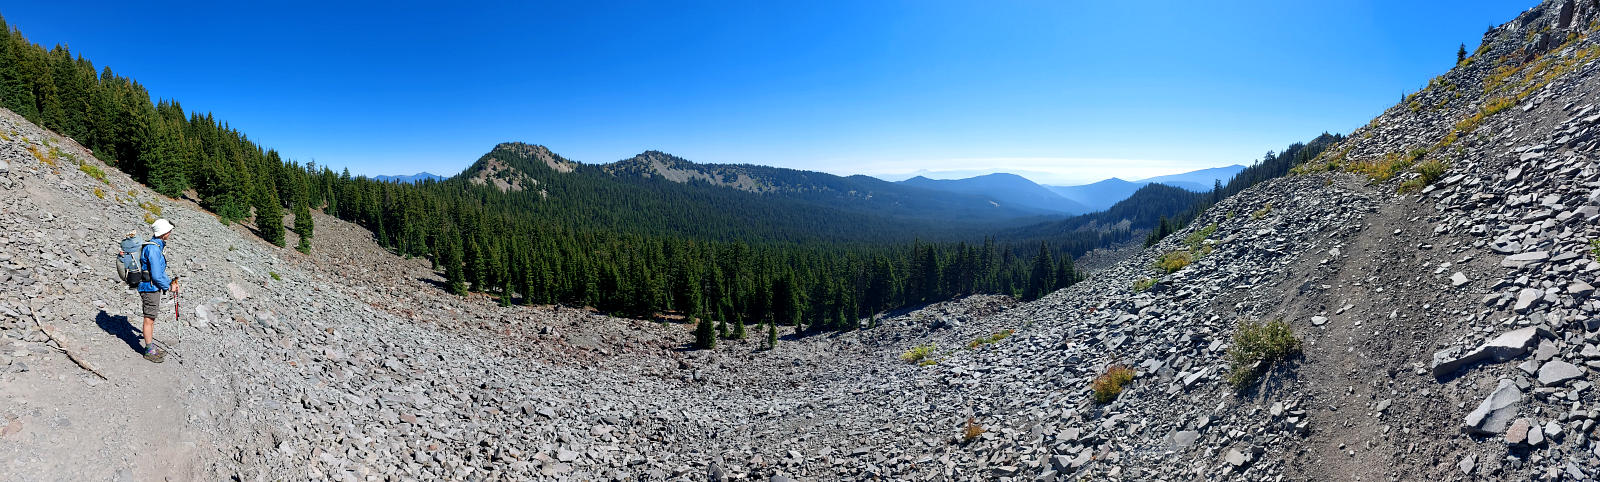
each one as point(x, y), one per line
point(151, 304)
point(149, 330)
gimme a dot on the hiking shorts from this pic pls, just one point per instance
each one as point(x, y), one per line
point(151, 302)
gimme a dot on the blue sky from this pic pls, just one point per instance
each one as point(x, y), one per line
point(1067, 91)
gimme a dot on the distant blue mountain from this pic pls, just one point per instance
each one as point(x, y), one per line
point(1198, 181)
point(1102, 195)
point(411, 179)
point(1007, 189)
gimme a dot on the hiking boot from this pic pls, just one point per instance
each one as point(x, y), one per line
point(155, 355)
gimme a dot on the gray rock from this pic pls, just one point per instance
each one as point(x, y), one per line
point(1183, 439)
point(1495, 412)
point(1468, 463)
point(1546, 351)
point(1508, 345)
point(1526, 298)
point(1580, 289)
point(1520, 260)
point(1236, 458)
point(1458, 279)
point(1535, 436)
point(1556, 372)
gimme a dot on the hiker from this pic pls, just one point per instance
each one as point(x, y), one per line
point(153, 258)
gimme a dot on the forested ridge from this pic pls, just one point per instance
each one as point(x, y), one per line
point(636, 245)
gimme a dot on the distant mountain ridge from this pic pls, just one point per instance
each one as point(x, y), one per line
point(1102, 195)
point(1019, 191)
point(409, 179)
point(661, 193)
point(1005, 188)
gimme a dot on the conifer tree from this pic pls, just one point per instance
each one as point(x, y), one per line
point(303, 225)
point(738, 328)
point(705, 336)
point(1042, 277)
point(772, 334)
point(1461, 53)
point(269, 217)
point(454, 273)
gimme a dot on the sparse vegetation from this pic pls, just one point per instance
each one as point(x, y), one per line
point(1256, 347)
point(1261, 213)
point(1594, 248)
point(1143, 285)
point(40, 156)
point(99, 194)
point(1174, 261)
point(93, 171)
point(274, 275)
point(1109, 385)
point(1194, 247)
point(1427, 173)
point(985, 340)
point(972, 430)
point(1196, 241)
point(918, 353)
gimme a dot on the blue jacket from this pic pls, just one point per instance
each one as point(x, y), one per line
point(152, 258)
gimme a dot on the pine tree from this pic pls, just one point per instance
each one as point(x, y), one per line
point(1066, 272)
point(454, 273)
point(738, 328)
point(1042, 277)
point(269, 217)
point(772, 334)
point(705, 336)
point(303, 225)
point(1461, 53)
point(786, 300)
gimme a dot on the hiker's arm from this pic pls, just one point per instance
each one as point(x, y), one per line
point(158, 269)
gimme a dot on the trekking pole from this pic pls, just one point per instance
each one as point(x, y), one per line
point(177, 316)
point(177, 304)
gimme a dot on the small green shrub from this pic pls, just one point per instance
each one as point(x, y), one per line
point(94, 172)
point(274, 275)
point(1174, 261)
point(918, 353)
point(1196, 241)
point(1594, 248)
point(1144, 284)
point(1110, 384)
point(1256, 347)
point(1428, 172)
point(985, 340)
point(1261, 213)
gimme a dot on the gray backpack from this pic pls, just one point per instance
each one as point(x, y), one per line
point(130, 268)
